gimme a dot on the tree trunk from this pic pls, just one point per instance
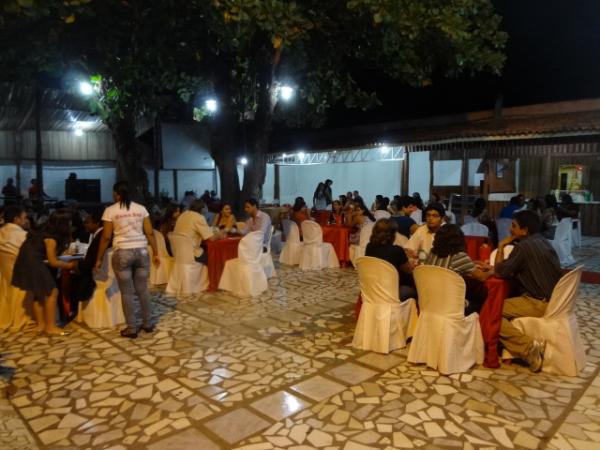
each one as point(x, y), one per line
point(223, 151)
point(129, 158)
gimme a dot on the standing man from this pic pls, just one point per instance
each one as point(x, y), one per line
point(535, 267)
point(258, 221)
point(328, 193)
point(9, 192)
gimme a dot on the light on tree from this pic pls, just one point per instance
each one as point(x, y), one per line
point(243, 160)
point(85, 88)
point(211, 105)
point(286, 92)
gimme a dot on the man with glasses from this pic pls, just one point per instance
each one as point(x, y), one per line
point(421, 241)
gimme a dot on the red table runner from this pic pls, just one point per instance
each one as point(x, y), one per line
point(321, 217)
point(219, 252)
point(339, 237)
point(490, 318)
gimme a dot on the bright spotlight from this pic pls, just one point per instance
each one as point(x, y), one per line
point(86, 88)
point(301, 155)
point(287, 92)
point(211, 105)
point(384, 149)
point(244, 161)
point(284, 156)
point(78, 132)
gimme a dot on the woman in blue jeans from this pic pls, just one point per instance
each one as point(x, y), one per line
point(128, 224)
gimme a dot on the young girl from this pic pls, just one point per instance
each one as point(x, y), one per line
point(31, 273)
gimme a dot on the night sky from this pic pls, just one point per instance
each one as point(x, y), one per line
point(553, 54)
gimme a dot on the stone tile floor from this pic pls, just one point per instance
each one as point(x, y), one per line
point(277, 372)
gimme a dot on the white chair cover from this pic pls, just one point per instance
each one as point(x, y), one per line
point(384, 323)
point(316, 254)
point(576, 239)
point(267, 260)
point(244, 275)
point(562, 242)
point(381, 214)
point(292, 249)
point(356, 251)
point(564, 354)
point(503, 227)
point(400, 240)
point(444, 338)
point(160, 275)
point(475, 229)
point(187, 276)
point(105, 308)
point(507, 251)
point(16, 309)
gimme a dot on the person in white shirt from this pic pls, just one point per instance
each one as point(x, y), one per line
point(422, 239)
point(193, 224)
point(13, 233)
point(128, 224)
point(258, 221)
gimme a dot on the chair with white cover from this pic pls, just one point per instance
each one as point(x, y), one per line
point(444, 338)
point(267, 260)
point(291, 253)
point(16, 308)
point(576, 238)
point(187, 275)
point(316, 254)
point(381, 214)
point(475, 229)
point(244, 276)
point(160, 275)
point(507, 251)
point(105, 308)
point(562, 241)
point(503, 227)
point(356, 251)
point(558, 327)
point(384, 322)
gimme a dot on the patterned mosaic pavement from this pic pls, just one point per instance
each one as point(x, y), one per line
point(277, 372)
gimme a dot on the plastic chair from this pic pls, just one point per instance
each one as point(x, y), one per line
point(16, 309)
point(160, 275)
point(576, 236)
point(316, 254)
point(558, 327)
point(507, 251)
point(475, 229)
point(291, 253)
point(503, 227)
point(244, 275)
point(444, 338)
point(384, 322)
point(187, 275)
point(105, 308)
point(562, 242)
point(267, 260)
point(356, 251)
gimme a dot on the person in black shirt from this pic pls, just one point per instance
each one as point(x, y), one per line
point(406, 225)
point(9, 192)
point(381, 245)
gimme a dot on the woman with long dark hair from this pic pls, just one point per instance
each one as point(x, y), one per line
point(31, 273)
point(129, 223)
point(448, 251)
point(167, 223)
point(319, 197)
point(359, 216)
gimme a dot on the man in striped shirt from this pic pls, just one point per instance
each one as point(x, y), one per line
point(534, 265)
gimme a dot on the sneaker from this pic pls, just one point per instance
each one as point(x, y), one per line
point(128, 334)
point(535, 358)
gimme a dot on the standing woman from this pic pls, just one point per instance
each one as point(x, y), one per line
point(31, 274)
point(132, 229)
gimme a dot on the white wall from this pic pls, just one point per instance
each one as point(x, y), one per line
point(448, 172)
point(418, 174)
point(369, 178)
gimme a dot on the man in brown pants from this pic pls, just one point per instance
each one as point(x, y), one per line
point(535, 266)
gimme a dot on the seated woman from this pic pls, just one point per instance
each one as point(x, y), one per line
point(300, 211)
point(167, 222)
point(337, 213)
point(32, 274)
point(448, 251)
point(358, 216)
point(225, 220)
point(381, 245)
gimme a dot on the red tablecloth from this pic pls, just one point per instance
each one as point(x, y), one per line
point(218, 253)
point(339, 237)
point(490, 318)
point(472, 244)
point(321, 217)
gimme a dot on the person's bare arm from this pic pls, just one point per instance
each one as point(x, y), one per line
point(481, 275)
point(414, 227)
point(149, 232)
point(107, 231)
point(53, 260)
point(500, 252)
point(406, 267)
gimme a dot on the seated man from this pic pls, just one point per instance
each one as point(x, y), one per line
point(82, 282)
point(406, 225)
point(14, 231)
point(193, 224)
point(422, 239)
point(258, 221)
point(534, 265)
